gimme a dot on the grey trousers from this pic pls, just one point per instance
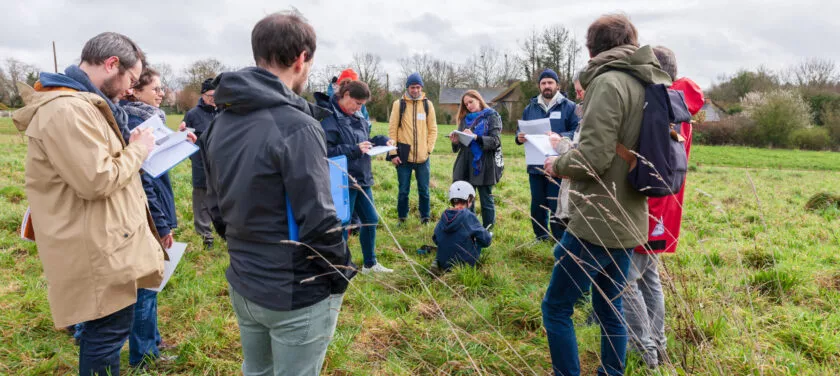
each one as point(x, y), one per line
point(644, 308)
point(201, 213)
point(287, 343)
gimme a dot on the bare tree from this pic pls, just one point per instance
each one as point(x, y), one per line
point(368, 67)
point(555, 40)
point(199, 71)
point(320, 77)
point(813, 73)
point(167, 75)
point(18, 71)
point(487, 62)
point(507, 69)
point(530, 60)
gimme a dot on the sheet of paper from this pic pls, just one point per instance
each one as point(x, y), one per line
point(537, 148)
point(464, 138)
point(165, 138)
point(165, 160)
point(175, 254)
point(539, 126)
point(376, 150)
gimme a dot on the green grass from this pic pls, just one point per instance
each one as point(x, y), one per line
point(742, 297)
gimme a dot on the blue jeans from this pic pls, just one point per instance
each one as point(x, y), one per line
point(579, 264)
point(363, 206)
point(544, 194)
point(488, 205)
point(288, 343)
point(100, 343)
point(421, 171)
point(144, 338)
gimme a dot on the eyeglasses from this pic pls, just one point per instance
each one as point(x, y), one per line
point(159, 90)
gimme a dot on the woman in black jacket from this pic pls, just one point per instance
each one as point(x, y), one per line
point(480, 162)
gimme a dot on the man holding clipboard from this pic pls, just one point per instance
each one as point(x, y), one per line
point(561, 112)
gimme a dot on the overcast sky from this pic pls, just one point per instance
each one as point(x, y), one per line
point(710, 37)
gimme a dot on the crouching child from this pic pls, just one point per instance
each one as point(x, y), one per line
point(459, 235)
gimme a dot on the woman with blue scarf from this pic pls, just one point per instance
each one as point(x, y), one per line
point(481, 163)
point(143, 103)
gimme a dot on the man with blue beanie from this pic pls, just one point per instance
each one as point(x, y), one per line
point(414, 127)
point(544, 192)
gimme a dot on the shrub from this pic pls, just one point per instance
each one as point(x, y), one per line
point(832, 125)
point(813, 138)
point(731, 130)
point(776, 115)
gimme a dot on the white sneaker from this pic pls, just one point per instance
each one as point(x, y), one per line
point(376, 268)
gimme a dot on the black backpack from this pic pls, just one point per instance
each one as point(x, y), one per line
point(664, 164)
point(402, 109)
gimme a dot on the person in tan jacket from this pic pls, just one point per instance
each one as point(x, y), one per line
point(414, 128)
point(92, 226)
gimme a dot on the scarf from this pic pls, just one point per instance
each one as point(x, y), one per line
point(477, 121)
point(143, 111)
point(78, 75)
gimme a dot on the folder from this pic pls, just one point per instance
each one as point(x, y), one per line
point(171, 148)
point(340, 189)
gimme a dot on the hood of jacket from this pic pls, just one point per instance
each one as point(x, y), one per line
point(694, 98)
point(638, 62)
point(253, 88)
point(452, 220)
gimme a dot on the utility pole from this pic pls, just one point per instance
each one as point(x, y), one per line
point(55, 58)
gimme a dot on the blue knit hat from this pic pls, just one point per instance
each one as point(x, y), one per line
point(548, 73)
point(414, 79)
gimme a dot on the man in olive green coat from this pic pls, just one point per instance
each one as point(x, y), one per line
point(608, 217)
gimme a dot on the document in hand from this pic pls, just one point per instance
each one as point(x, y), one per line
point(340, 189)
point(464, 138)
point(171, 148)
point(539, 126)
point(175, 254)
point(537, 148)
point(376, 150)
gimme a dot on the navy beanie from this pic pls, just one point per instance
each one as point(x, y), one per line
point(207, 85)
point(414, 79)
point(548, 73)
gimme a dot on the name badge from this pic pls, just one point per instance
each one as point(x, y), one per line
point(555, 115)
point(421, 116)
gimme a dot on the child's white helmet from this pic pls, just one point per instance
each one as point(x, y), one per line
point(461, 190)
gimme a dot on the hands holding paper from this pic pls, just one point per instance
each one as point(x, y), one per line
point(144, 137)
point(365, 146)
point(166, 241)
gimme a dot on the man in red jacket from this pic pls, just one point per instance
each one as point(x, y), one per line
point(645, 303)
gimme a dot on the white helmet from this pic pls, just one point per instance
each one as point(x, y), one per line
point(461, 190)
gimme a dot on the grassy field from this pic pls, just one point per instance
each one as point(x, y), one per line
point(753, 289)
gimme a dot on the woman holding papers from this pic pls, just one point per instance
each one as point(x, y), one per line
point(479, 149)
point(348, 134)
point(142, 104)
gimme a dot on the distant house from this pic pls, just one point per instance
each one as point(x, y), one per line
point(713, 112)
point(499, 98)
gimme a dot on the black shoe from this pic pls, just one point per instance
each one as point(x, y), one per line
point(425, 221)
point(208, 244)
point(401, 222)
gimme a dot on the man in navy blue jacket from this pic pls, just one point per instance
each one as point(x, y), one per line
point(549, 104)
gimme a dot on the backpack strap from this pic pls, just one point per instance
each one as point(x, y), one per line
point(402, 112)
point(426, 105)
point(626, 155)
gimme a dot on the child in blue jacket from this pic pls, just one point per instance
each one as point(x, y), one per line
point(459, 235)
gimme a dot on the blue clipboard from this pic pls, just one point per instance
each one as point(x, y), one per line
point(340, 189)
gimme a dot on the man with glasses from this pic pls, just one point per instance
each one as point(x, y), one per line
point(92, 227)
point(199, 119)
